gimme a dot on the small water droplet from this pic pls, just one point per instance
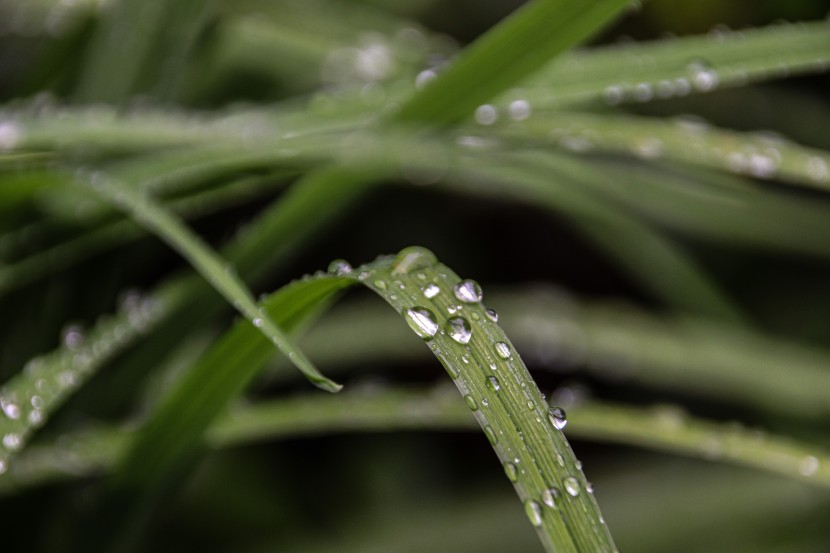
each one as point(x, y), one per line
point(12, 442)
point(490, 433)
point(571, 486)
point(422, 321)
point(613, 95)
point(486, 114)
point(530, 405)
point(73, 337)
point(511, 471)
point(340, 267)
point(808, 466)
point(10, 409)
point(431, 290)
point(4, 466)
point(459, 330)
point(549, 497)
point(485, 402)
point(502, 350)
point(471, 402)
point(258, 322)
point(492, 315)
point(534, 512)
point(466, 359)
point(413, 259)
point(560, 459)
point(380, 285)
point(702, 76)
point(493, 367)
point(468, 291)
point(589, 487)
point(519, 110)
point(424, 78)
point(493, 383)
point(557, 417)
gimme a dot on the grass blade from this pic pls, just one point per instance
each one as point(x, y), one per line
point(510, 52)
point(220, 274)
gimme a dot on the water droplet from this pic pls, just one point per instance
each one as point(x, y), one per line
point(431, 290)
point(613, 95)
point(519, 110)
point(4, 466)
point(466, 359)
point(492, 315)
point(491, 434)
point(493, 383)
point(10, 409)
point(73, 337)
point(511, 471)
point(485, 402)
point(493, 367)
point(557, 417)
point(589, 487)
point(702, 76)
point(808, 466)
point(459, 330)
point(259, 322)
point(340, 267)
point(534, 512)
point(643, 92)
point(424, 78)
point(471, 402)
point(10, 135)
point(549, 497)
point(412, 259)
point(12, 442)
point(37, 402)
point(468, 291)
point(560, 459)
point(571, 486)
point(422, 321)
point(817, 169)
point(486, 114)
point(530, 405)
point(502, 350)
point(380, 285)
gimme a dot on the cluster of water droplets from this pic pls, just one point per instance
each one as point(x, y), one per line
point(27, 399)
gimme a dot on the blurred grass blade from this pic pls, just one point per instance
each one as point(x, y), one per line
point(505, 55)
point(662, 428)
point(661, 69)
point(138, 42)
point(641, 250)
point(216, 271)
point(649, 138)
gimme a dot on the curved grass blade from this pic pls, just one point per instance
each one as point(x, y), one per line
point(644, 71)
point(508, 53)
point(221, 275)
point(662, 428)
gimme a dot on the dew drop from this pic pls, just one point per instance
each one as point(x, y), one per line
point(491, 434)
point(613, 95)
point(471, 402)
point(4, 466)
point(10, 409)
point(485, 402)
point(702, 76)
point(380, 285)
point(534, 512)
point(493, 383)
point(808, 466)
point(468, 291)
point(511, 471)
point(549, 497)
point(340, 267)
point(431, 290)
point(424, 78)
point(12, 442)
point(413, 259)
point(557, 417)
point(73, 337)
point(571, 486)
point(459, 330)
point(422, 321)
point(486, 114)
point(519, 110)
point(502, 350)
point(258, 322)
point(492, 315)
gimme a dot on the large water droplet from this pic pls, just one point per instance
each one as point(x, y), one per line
point(534, 512)
point(340, 267)
point(571, 486)
point(459, 330)
point(502, 350)
point(549, 497)
point(557, 417)
point(468, 291)
point(493, 383)
point(511, 471)
point(431, 290)
point(491, 434)
point(422, 321)
point(412, 259)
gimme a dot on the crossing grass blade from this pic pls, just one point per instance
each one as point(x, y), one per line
point(507, 54)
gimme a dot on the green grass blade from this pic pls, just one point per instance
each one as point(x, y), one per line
point(507, 54)
point(754, 155)
point(671, 68)
point(661, 428)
